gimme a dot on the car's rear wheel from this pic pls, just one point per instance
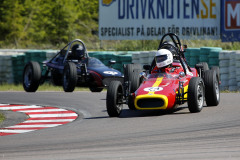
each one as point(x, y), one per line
point(135, 83)
point(205, 65)
point(31, 76)
point(212, 91)
point(114, 100)
point(131, 74)
point(217, 70)
point(69, 77)
point(195, 94)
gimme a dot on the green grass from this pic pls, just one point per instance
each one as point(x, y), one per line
point(226, 91)
point(94, 44)
point(48, 87)
point(1, 117)
point(44, 87)
point(139, 45)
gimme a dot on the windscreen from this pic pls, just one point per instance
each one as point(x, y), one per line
point(93, 62)
point(157, 75)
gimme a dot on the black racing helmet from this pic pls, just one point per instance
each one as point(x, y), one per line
point(78, 51)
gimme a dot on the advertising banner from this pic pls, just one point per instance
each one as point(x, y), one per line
point(150, 19)
point(230, 27)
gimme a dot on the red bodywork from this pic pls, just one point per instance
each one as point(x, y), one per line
point(159, 90)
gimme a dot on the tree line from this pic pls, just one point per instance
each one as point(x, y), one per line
point(26, 23)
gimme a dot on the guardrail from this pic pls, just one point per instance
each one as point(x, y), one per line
point(12, 62)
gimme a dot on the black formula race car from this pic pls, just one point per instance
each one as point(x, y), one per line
point(71, 67)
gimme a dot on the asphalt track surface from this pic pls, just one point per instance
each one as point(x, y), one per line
point(214, 133)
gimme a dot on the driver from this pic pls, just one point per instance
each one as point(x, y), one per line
point(78, 52)
point(164, 61)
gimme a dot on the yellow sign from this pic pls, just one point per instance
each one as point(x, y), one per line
point(107, 2)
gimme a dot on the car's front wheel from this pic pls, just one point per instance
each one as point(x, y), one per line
point(195, 94)
point(69, 77)
point(114, 98)
point(31, 76)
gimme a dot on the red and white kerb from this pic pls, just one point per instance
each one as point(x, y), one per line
point(39, 118)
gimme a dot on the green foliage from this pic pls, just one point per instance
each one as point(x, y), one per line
point(50, 24)
point(11, 21)
point(26, 23)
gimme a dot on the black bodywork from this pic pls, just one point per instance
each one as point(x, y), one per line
point(90, 72)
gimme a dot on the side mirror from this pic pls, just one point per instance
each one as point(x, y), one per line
point(111, 62)
point(146, 67)
point(184, 47)
point(143, 76)
point(182, 74)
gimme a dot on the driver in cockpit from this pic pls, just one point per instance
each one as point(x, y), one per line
point(164, 61)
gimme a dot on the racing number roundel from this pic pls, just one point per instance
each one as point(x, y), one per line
point(110, 72)
point(153, 89)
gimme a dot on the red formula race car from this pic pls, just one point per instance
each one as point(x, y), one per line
point(145, 89)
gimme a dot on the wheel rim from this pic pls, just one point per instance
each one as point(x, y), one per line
point(217, 90)
point(200, 96)
point(28, 76)
point(119, 100)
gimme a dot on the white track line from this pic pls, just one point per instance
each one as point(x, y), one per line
point(34, 126)
point(19, 107)
point(54, 120)
point(43, 110)
point(16, 131)
point(52, 115)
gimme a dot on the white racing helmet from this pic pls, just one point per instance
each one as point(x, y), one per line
point(163, 58)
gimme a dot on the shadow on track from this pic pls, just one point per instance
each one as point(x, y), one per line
point(127, 113)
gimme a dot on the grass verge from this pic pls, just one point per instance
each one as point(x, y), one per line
point(139, 45)
point(94, 44)
point(227, 91)
point(45, 87)
point(1, 117)
point(48, 87)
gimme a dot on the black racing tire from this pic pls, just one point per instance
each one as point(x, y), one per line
point(205, 66)
point(69, 77)
point(31, 76)
point(216, 69)
point(130, 72)
point(129, 69)
point(114, 99)
point(135, 83)
point(56, 78)
point(95, 89)
point(212, 89)
point(130, 104)
point(195, 94)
